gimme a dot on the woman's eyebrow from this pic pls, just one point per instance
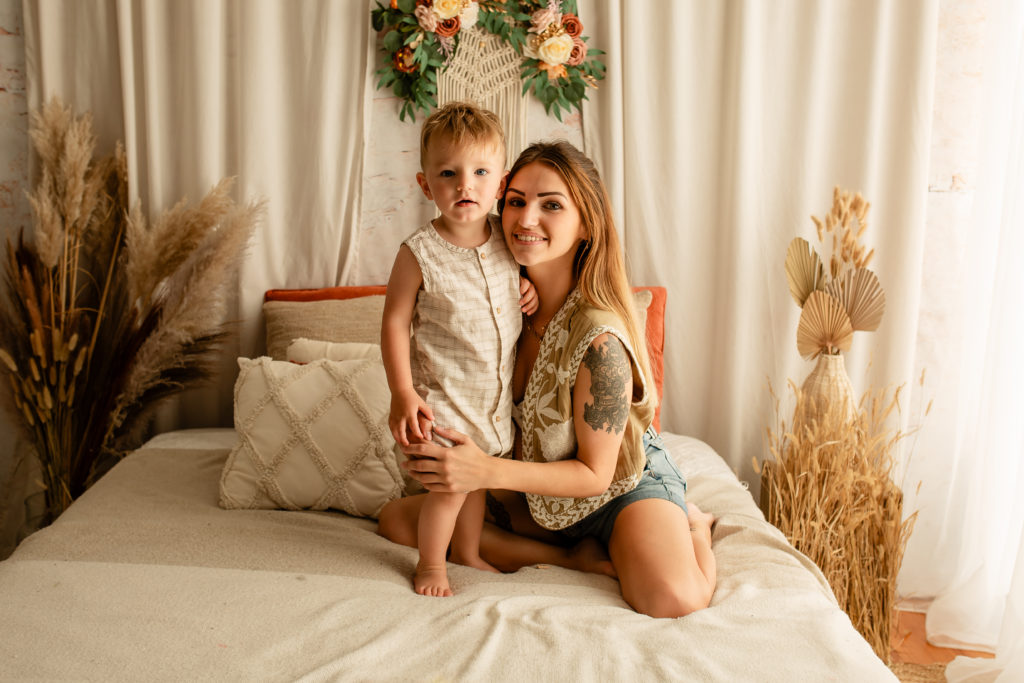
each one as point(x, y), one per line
point(539, 194)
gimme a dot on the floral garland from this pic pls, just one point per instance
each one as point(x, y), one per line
point(422, 36)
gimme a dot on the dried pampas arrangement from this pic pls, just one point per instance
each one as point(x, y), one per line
point(828, 483)
point(105, 314)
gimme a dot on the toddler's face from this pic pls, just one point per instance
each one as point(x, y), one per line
point(463, 180)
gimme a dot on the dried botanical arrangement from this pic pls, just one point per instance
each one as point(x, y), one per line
point(104, 314)
point(835, 301)
point(829, 488)
point(828, 485)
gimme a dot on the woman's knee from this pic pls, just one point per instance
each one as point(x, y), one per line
point(669, 602)
point(394, 524)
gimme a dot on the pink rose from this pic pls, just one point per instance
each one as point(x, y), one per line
point(579, 52)
point(543, 17)
point(426, 18)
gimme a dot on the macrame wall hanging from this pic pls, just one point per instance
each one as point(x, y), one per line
point(485, 70)
point(492, 52)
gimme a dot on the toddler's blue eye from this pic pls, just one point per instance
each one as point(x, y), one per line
point(447, 174)
point(481, 171)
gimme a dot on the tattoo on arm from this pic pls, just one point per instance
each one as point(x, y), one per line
point(609, 373)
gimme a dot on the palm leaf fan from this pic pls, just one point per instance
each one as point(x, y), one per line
point(824, 326)
point(804, 270)
point(862, 297)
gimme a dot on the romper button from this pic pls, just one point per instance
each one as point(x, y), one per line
point(498, 310)
point(483, 257)
point(497, 418)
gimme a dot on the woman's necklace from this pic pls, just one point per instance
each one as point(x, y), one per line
point(529, 325)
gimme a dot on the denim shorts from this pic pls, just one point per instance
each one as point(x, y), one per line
point(661, 478)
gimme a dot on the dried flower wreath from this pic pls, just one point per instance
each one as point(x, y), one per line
point(422, 36)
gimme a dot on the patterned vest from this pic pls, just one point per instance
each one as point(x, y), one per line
point(545, 414)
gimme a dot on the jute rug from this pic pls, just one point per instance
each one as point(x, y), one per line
point(918, 673)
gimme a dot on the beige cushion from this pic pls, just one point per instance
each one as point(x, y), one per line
point(308, 350)
point(333, 320)
point(311, 436)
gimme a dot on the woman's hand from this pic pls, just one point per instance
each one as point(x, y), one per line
point(456, 469)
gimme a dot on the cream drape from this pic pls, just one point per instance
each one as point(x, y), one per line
point(721, 128)
point(272, 92)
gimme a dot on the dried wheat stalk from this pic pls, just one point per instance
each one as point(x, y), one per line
point(829, 488)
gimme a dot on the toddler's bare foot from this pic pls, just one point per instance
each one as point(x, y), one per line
point(590, 555)
point(475, 561)
point(432, 580)
point(700, 522)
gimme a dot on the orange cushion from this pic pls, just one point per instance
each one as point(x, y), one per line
point(655, 330)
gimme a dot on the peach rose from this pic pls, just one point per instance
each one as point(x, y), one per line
point(404, 61)
point(554, 71)
point(447, 9)
point(555, 50)
point(572, 25)
point(579, 52)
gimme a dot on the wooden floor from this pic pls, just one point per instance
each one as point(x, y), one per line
point(910, 646)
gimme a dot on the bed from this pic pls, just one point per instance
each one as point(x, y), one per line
point(148, 576)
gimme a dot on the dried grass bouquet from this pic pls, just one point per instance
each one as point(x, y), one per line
point(105, 314)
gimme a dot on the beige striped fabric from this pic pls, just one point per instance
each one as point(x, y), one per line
point(465, 328)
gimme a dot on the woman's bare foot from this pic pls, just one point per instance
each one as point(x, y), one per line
point(475, 561)
point(590, 555)
point(700, 522)
point(431, 580)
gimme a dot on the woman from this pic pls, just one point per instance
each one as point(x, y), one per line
point(590, 487)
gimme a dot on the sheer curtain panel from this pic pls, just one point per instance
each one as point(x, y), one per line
point(272, 92)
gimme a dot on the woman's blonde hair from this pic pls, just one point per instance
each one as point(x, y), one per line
point(599, 266)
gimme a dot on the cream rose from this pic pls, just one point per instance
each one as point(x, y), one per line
point(446, 9)
point(469, 16)
point(555, 50)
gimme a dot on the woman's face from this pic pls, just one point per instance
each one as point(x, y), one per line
point(540, 220)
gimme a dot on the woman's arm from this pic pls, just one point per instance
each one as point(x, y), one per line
point(601, 400)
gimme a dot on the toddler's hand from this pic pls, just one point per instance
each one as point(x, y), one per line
point(528, 300)
point(407, 410)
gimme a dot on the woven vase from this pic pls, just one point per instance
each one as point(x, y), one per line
point(827, 388)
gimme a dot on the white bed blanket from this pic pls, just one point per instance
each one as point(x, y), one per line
point(146, 578)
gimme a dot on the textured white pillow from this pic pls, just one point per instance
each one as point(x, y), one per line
point(304, 350)
point(311, 436)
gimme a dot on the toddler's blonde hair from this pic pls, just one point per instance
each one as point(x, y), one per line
point(461, 122)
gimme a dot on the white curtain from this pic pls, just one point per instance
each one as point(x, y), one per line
point(275, 93)
point(721, 128)
point(980, 535)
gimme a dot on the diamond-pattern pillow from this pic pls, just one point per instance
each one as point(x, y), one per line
point(311, 437)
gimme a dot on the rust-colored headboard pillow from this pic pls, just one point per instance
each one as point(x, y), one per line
point(352, 314)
